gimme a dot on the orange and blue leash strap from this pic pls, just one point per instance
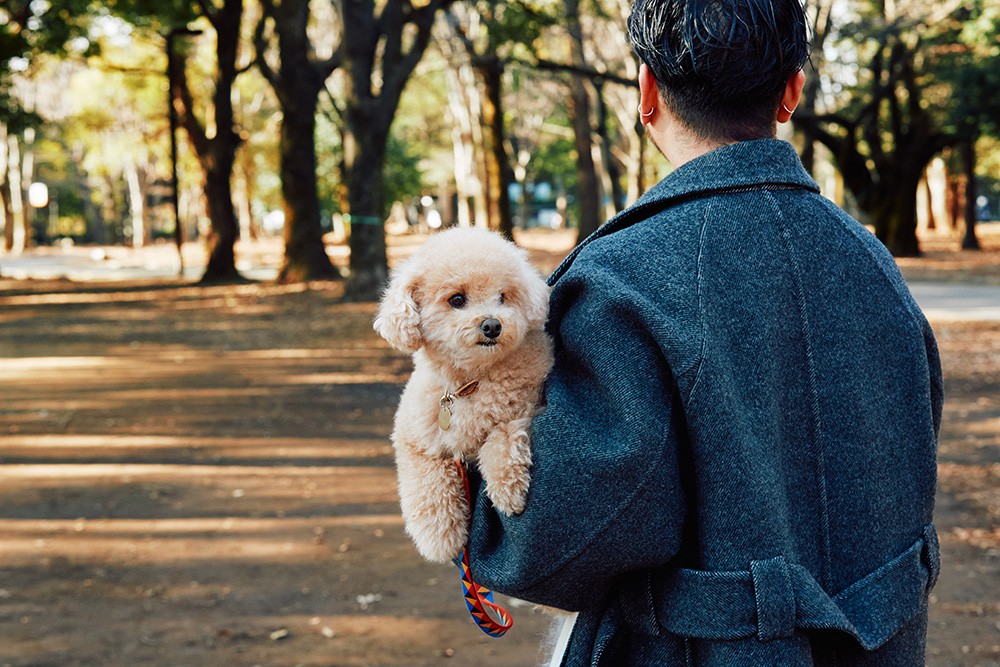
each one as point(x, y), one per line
point(491, 618)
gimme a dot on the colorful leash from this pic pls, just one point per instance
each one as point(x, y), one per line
point(491, 618)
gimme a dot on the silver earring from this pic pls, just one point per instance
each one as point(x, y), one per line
point(647, 114)
point(787, 110)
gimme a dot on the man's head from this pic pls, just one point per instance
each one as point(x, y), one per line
point(721, 66)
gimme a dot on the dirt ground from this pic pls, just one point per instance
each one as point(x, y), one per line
point(202, 476)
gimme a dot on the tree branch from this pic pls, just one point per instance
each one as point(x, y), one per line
point(338, 112)
point(581, 70)
point(183, 103)
point(260, 45)
point(209, 12)
point(324, 68)
point(459, 31)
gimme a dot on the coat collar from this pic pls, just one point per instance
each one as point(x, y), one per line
point(753, 164)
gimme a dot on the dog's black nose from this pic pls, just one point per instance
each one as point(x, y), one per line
point(491, 327)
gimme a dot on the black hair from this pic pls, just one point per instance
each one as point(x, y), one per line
point(721, 65)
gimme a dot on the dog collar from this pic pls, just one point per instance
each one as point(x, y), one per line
point(444, 411)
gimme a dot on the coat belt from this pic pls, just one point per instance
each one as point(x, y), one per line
point(773, 598)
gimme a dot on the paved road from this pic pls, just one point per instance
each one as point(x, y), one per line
point(157, 262)
point(945, 301)
point(940, 301)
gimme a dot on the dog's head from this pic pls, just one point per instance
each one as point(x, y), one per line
point(467, 295)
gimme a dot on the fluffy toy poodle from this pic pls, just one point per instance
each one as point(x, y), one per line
point(471, 309)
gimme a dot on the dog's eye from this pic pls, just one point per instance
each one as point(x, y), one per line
point(457, 301)
point(502, 297)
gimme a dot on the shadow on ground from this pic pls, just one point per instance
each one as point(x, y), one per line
point(202, 476)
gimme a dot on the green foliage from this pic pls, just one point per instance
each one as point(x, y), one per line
point(403, 179)
point(554, 162)
point(153, 15)
point(403, 175)
point(28, 30)
point(517, 24)
point(967, 54)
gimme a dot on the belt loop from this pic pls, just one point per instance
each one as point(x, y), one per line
point(774, 597)
point(931, 555)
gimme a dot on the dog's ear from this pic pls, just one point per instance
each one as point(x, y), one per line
point(536, 297)
point(398, 318)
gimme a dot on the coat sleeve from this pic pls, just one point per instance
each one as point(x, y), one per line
point(605, 495)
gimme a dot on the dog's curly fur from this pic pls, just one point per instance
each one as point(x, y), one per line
point(419, 314)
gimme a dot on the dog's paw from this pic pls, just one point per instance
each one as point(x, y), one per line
point(439, 528)
point(505, 462)
point(510, 494)
point(439, 547)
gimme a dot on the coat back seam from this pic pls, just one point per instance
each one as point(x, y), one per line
point(698, 364)
point(815, 433)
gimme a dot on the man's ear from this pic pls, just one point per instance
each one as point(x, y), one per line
point(398, 318)
point(649, 95)
point(790, 97)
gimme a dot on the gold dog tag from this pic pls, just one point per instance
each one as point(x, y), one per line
point(444, 413)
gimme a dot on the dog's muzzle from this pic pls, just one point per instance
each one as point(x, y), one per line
point(491, 328)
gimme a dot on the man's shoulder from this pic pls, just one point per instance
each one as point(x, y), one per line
point(657, 252)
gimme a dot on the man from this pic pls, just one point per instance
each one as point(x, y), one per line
point(736, 464)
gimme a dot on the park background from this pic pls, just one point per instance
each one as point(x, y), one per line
point(199, 201)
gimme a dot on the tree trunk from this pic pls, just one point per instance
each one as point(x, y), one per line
point(7, 213)
point(380, 52)
point(364, 153)
point(298, 81)
point(462, 146)
point(895, 218)
point(588, 197)
point(612, 174)
point(244, 193)
point(224, 229)
point(136, 210)
point(216, 153)
point(969, 239)
point(305, 253)
point(498, 162)
point(20, 223)
point(222, 152)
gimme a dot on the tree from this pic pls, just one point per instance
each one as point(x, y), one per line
point(820, 13)
point(28, 30)
point(381, 48)
point(595, 53)
point(489, 31)
point(589, 193)
point(297, 81)
point(888, 127)
point(969, 72)
point(216, 151)
point(467, 140)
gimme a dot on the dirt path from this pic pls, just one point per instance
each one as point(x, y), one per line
point(202, 476)
point(188, 474)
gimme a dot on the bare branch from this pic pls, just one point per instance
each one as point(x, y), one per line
point(580, 70)
point(209, 12)
point(183, 102)
point(260, 45)
point(324, 68)
point(459, 32)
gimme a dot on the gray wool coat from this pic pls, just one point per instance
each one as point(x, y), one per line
point(736, 464)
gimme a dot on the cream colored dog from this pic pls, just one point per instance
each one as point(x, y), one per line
point(471, 309)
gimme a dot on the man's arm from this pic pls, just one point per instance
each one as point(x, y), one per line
point(605, 495)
